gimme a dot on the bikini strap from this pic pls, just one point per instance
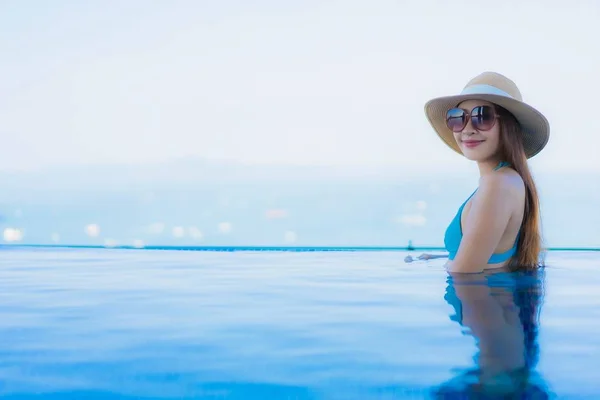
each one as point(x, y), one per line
point(501, 164)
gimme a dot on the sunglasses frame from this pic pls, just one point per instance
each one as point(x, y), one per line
point(469, 116)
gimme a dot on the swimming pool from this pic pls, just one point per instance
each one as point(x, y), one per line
point(111, 323)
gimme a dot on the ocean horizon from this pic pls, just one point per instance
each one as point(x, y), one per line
point(195, 202)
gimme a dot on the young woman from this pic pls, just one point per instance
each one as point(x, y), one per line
point(499, 224)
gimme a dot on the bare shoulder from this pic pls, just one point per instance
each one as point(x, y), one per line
point(505, 183)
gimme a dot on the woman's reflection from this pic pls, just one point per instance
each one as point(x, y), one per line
point(501, 311)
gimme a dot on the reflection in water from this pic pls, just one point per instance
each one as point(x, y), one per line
point(501, 311)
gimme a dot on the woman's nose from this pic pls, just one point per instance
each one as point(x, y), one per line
point(468, 129)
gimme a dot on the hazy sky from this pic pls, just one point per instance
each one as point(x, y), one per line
point(329, 82)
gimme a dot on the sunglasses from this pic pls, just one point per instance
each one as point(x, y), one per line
point(482, 118)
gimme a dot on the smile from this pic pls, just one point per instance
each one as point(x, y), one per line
point(472, 143)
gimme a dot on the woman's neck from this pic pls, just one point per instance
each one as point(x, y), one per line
point(488, 166)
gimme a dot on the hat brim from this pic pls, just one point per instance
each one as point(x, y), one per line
point(536, 129)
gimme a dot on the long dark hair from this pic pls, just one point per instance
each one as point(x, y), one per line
point(529, 246)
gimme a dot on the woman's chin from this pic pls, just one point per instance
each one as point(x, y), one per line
point(474, 154)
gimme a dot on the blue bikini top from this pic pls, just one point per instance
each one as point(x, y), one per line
point(453, 235)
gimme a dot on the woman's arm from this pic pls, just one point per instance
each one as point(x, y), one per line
point(425, 256)
point(485, 224)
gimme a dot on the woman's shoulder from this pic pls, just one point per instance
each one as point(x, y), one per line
point(504, 182)
point(501, 189)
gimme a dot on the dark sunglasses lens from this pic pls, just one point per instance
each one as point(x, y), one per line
point(483, 118)
point(456, 119)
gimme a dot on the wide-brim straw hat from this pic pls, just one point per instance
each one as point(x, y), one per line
point(497, 89)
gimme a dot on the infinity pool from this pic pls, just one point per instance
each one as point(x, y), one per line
point(124, 324)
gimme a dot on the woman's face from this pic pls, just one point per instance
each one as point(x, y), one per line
point(478, 144)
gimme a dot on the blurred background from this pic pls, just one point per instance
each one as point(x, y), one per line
point(277, 123)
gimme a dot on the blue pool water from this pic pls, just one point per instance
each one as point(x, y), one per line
point(125, 324)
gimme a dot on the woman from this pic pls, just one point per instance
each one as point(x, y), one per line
point(498, 225)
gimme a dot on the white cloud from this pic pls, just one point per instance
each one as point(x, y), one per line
point(276, 213)
point(12, 235)
point(224, 227)
point(178, 232)
point(92, 230)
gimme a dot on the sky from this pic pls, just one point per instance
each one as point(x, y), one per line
point(305, 83)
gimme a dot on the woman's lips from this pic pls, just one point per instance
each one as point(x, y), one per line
point(472, 143)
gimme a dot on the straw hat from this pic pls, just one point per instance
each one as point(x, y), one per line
point(500, 90)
